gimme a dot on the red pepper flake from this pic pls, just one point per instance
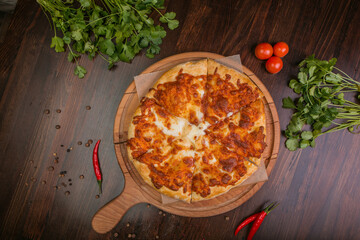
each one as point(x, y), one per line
point(81, 176)
point(96, 164)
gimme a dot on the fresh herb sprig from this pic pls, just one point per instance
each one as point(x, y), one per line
point(321, 104)
point(116, 31)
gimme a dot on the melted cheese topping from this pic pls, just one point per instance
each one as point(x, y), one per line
point(174, 127)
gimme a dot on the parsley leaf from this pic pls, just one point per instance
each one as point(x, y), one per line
point(58, 44)
point(288, 103)
point(80, 71)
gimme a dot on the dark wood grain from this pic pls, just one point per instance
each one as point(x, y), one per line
point(318, 188)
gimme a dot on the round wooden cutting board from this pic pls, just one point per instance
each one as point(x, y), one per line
point(137, 191)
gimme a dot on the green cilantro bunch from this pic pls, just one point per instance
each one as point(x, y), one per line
point(321, 103)
point(116, 30)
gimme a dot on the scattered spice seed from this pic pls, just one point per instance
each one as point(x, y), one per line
point(67, 193)
point(63, 172)
point(157, 237)
point(51, 168)
point(20, 174)
point(97, 196)
point(61, 145)
point(116, 234)
point(70, 184)
point(54, 154)
point(87, 145)
point(88, 107)
point(58, 110)
point(69, 179)
point(56, 161)
point(128, 224)
point(43, 182)
point(160, 212)
point(56, 187)
point(81, 176)
point(129, 235)
point(57, 126)
point(79, 142)
point(47, 111)
point(227, 218)
point(90, 141)
point(164, 214)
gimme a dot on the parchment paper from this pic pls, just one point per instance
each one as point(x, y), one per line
point(144, 82)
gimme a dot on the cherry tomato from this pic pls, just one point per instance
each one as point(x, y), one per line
point(281, 49)
point(274, 64)
point(263, 51)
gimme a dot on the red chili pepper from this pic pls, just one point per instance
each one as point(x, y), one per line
point(96, 164)
point(259, 219)
point(246, 222)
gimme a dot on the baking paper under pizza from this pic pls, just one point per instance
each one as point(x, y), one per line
point(198, 132)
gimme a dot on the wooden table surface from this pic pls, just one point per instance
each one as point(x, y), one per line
point(318, 189)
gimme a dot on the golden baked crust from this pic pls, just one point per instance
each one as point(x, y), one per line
point(199, 132)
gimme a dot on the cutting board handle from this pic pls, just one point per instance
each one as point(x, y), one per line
point(108, 216)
